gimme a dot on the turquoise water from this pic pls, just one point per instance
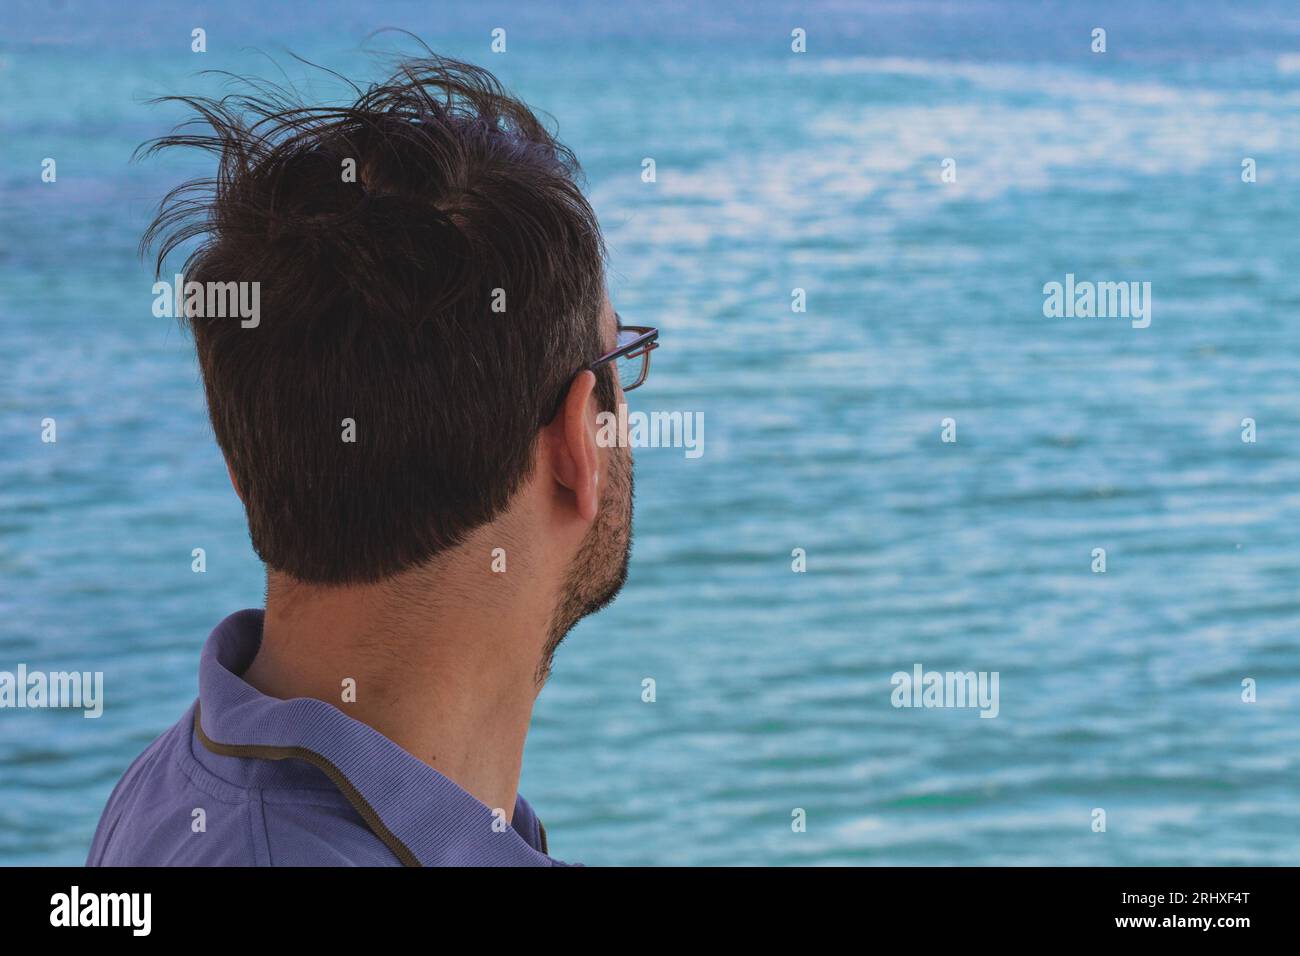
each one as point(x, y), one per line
point(1119, 691)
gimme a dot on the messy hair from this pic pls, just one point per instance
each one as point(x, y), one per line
point(381, 295)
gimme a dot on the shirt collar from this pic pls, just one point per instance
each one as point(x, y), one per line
point(424, 817)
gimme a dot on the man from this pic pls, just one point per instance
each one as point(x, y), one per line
point(412, 426)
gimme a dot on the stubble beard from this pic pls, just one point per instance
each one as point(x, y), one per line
point(599, 570)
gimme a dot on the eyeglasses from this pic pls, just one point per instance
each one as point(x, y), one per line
point(631, 353)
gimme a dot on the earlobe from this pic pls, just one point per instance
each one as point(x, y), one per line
point(233, 483)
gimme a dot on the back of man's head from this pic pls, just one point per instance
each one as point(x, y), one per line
point(386, 236)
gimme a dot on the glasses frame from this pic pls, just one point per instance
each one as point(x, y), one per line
point(645, 341)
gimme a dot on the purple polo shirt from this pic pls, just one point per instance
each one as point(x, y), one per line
point(293, 783)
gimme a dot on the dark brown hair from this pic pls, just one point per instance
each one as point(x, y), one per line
point(376, 305)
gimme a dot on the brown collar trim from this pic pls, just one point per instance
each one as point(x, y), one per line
point(354, 797)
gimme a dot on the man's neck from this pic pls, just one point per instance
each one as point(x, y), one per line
point(443, 665)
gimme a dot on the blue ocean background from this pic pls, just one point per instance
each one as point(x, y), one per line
point(775, 171)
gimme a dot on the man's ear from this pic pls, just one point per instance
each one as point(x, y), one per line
point(233, 483)
point(572, 437)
